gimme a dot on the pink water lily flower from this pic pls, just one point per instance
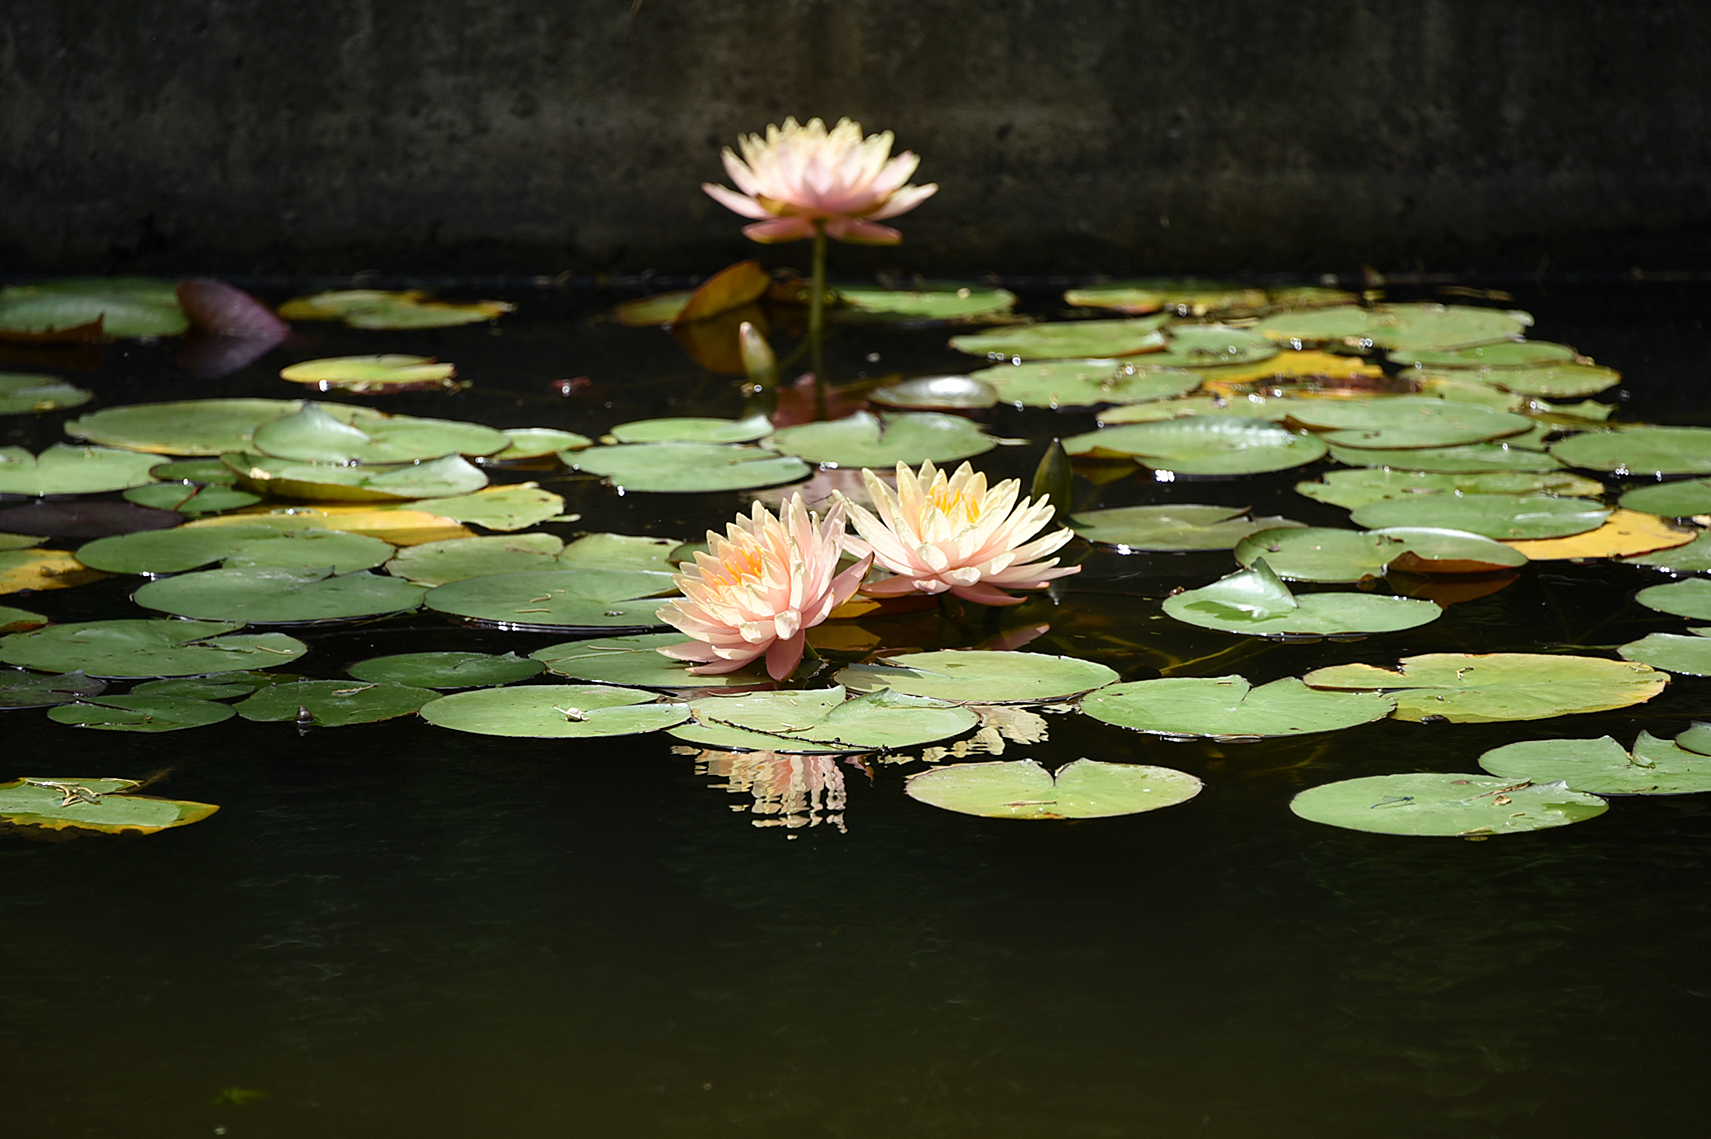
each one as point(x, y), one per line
point(760, 588)
point(937, 534)
point(800, 175)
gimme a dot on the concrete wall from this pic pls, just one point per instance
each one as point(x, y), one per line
point(1068, 135)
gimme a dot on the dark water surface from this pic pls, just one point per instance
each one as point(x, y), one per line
point(396, 930)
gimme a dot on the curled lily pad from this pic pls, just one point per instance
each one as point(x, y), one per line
point(1221, 446)
point(181, 427)
point(1177, 526)
point(555, 711)
point(967, 676)
point(382, 373)
point(1211, 346)
point(271, 595)
point(119, 312)
point(335, 433)
point(1445, 805)
point(1690, 656)
point(446, 669)
point(1489, 687)
point(190, 498)
point(140, 713)
point(537, 442)
point(1228, 707)
point(1256, 602)
point(68, 469)
point(1183, 298)
point(1504, 516)
point(1406, 421)
point(1362, 486)
point(1083, 383)
point(1484, 357)
point(187, 548)
point(1624, 533)
point(148, 648)
point(1681, 499)
point(576, 598)
point(866, 440)
point(294, 478)
point(24, 394)
point(817, 722)
point(1690, 598)
point(1327, 554)
point(1603, 766)
point(1468, 458)
point(1022, 789)
point(688, 467)
point(436, 563)
point(950, 302)
point(1639, 450)
point(1556, 381)
point(1066, 340)
point(635, 661)
point(1403, 326)
point(35, 690)
point(335, 703)
point(106, 805)
point(693, 429)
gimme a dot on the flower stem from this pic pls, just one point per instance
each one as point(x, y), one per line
point(817, 319)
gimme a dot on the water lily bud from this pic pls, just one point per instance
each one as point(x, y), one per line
point(758, 360)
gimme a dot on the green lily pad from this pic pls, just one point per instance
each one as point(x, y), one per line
point(1406, 421)
point(370, 373)
point(1254, 601)
point(1178, 526)
point(35, 309)
point(1444, 805)
point(1504, 516)
point(1396, 327)
point(1696, 738)
point(1227, 707)
point(1489, 687)
point(20, 541)
point(193, 499)
point(620, 551)
point(538, 442)
point(881, 442)
point(337, 433)
point(380, 309)
point(1083, 383)
point(25, 395)
point(1467, 387)
point(1022, 789)
point(220, 686)
point(693, 429)
point(1695, 557)
point(1363, 486)
point(1467, 459)
point(181, 427)
point(148, 648)
point(1640, 450)
point(966, 676)
point(335, 703)
point(67, 469)
point(187, 548)
point(1210, 346)
point(1603, 766)
point(1251, 406)
point(822, 722)
point(1690, 598)
point(1690, 656)
point(1590, 410)
point(636, 662)
point(1681, 499)
point(34, 690)
point(687, 467)
point(140, 713)
point(1503, 354)
point(203, 472)
point(106, 805)
point(437, 563)
point(270, 595)
point(1557, 381)
point(19, 620)
point(1219, 446)
point(1183, 298)
point(555, 711)
point(1066, 340)
point(1330, 555)
point(948, 303)
point(507, 508)
point(446, 669)
point(576, 598)
point(332, 482)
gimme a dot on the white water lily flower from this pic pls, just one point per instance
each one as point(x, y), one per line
point(937, 535)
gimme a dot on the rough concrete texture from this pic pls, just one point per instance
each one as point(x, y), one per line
point(1071, 136)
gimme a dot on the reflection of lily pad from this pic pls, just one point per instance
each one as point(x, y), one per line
point(1083, 383)
point(1603, 766)
point(635, 661)
point(23, 394)
point(693, 429)
point(980, 677)
point(1328, 554)
point(1640, 450)
point(140, 713)
point(1084, 789)
point(1177, 526)
point(446, 669)
point(1363, 485)
point(866, 440)
point(67, 469)
point(146, 648)
point(1444, 805)
point(187, 548)
point(815, 722)
point(1488, 687)
point(1254, 601)
point(1509, 517)
point(577, 598)
point(270, 595)
point(1219, 446)
point(1066, 340)
point(1225, 707)
point(687, 467)
point(61, 802)
point(555, 711)
point(334, 703)
point(180, 427)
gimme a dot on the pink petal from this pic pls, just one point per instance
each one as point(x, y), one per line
point(859, 232)
point(904, 200)
point(780, 229)
point(217, 307)
point(735, 202)
point(783, 657)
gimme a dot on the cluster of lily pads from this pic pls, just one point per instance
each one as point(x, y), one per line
point(258, 514)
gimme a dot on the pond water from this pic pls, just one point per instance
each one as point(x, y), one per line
point(397, 930)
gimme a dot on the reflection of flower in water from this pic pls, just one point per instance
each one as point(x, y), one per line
point(788, 790)
point(999, 724)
